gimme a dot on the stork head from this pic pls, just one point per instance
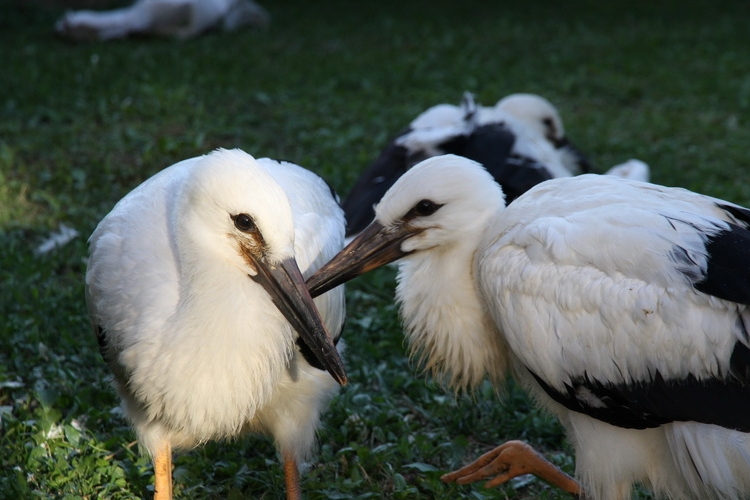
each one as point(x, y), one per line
point(542, 117)
point(439, 203)
point(536, 112)
point(235, 214)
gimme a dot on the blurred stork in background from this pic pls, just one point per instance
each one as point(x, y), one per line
point(622, 306)
point(521, 141)
point(195, 288)
point(175, 18)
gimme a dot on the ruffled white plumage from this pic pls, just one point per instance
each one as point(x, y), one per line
point(198, 350)
point(179, 18)
point(591, 278)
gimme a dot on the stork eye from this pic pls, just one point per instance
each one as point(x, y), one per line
point(551, 130)
point(425, 208)
point(244, 222)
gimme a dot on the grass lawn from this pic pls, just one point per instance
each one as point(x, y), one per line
point(324, 86)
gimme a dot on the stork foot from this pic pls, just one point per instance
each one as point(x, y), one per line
point(514, 458)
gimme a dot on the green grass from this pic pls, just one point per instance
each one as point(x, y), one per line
point(324, 86)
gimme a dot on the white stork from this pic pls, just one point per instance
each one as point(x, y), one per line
point(533, 122)
point(176, 18)
point(194, 286)
point(521, 141)
point(542, 117)
point(621, 305)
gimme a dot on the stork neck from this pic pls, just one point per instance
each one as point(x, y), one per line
point(445, 320)
point(213, 288)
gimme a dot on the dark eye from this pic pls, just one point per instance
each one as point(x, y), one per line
point(244, 222)
point(425, 208)
point(551, 130)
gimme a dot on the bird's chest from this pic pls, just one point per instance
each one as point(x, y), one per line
point(210, 375)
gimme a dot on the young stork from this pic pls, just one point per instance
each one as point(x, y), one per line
point(621, 305)
point(521, 141)
point(174, 18)
point(195, 290)
point(541, 116)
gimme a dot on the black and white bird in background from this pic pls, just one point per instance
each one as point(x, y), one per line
point(622, 306)
point(170, 18)
point(195, 288)
point(521, 141)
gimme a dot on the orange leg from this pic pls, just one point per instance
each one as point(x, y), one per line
point(163, 473)
point(291, 474)
point(514, 458)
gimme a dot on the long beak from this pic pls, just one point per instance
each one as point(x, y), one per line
point(286, 286)
point(372, 248)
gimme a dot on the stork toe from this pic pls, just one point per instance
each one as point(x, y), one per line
point(509, 460)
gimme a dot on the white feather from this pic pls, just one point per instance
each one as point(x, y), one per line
point(577, 277)
point(178, 18)
point(632, 169)
point(201, 351)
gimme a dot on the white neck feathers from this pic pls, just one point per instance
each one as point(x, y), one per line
point(445, 322)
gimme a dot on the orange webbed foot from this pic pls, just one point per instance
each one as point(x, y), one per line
point(509, 460)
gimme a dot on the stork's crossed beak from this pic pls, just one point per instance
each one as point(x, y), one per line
point(286, 286)
point(375, 246)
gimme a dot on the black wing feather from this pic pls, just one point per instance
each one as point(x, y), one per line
point(643, 404)
point(492, 146)
point(719, 400)
point(740, 214)
point(371, 186)
point(727, 273)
